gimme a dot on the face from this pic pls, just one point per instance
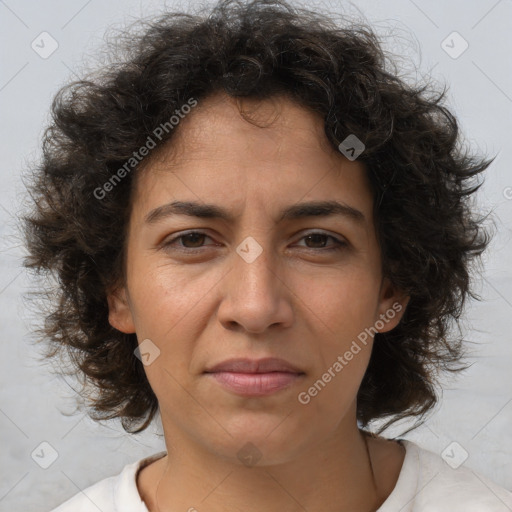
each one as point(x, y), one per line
point(263, 272)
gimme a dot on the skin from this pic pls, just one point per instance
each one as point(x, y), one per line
point(296, 300)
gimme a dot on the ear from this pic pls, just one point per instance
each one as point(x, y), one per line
point(392, 304)
point(119, 311)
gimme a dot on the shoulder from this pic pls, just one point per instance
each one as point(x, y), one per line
point(114, 493)
point(427, 483)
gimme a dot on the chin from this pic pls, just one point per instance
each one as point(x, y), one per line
point(262, 439)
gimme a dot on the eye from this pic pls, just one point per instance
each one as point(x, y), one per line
point(193, 241)
point(319, 239)
point(190, 240)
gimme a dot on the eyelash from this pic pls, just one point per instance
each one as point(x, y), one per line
point(340, 245)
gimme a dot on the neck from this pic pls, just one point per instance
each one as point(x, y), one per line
point(337, 470)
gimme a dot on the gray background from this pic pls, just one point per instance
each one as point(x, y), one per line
point(36, 406)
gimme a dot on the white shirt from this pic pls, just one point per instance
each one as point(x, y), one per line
point(426, 484)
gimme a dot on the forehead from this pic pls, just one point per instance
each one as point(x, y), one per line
point(268, 124)
point(238, 151)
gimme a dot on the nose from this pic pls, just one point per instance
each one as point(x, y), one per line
point(255, 295)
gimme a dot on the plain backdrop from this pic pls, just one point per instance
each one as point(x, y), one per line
point(36, 406)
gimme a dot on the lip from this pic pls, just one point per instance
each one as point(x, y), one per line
point(255, 377)
point(246, 365)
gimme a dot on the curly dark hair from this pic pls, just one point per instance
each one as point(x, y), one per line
point(421, 175)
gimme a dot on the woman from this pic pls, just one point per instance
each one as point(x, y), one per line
point(264, 235)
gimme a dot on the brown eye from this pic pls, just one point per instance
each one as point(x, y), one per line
point(195, 239)
point(187, 241)
point(320, 240)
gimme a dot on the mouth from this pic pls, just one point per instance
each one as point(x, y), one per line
point(255, 377)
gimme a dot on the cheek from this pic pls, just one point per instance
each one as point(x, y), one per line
point(171, 309)
point(163, 297)
point(342, 309)
point(341, 303)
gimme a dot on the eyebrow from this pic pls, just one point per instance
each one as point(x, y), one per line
point(296, 211)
